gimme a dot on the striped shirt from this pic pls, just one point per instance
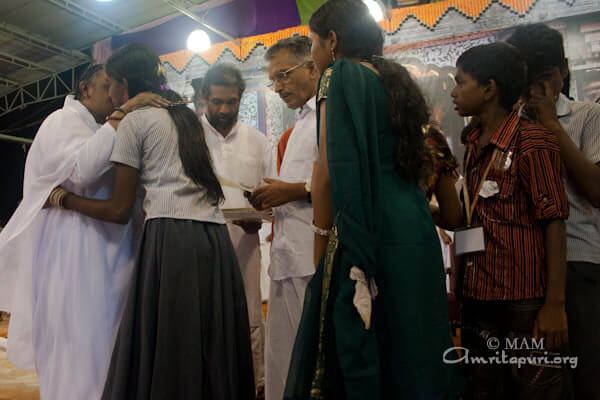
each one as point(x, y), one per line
point(581, 121)
point(147, 141)
point(530, 190)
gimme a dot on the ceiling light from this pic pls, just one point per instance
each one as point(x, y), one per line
point(375, 9)
point(198, 41)
point(103, 1)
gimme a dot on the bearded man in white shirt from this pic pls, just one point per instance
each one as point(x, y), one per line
point(294, 77)
point(241, 155)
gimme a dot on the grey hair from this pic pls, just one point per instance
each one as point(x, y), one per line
point(298, 45)
point(88, 77)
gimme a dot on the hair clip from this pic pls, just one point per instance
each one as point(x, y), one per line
point(160, 70)
point(177, 103)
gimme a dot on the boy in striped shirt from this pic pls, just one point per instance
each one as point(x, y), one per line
point(515, 287)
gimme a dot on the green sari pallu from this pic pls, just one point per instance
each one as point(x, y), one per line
point(383, 226)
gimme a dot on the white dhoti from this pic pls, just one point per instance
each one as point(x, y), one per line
point(286, 299)
point(247, 250)
point(292, 249)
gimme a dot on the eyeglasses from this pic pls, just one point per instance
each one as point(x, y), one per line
point(284, 76)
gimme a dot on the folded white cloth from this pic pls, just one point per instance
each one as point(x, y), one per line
point(364, 294)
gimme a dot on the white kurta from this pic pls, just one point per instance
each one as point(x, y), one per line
point(244, 157)
point(292, 263)
point(64, 276)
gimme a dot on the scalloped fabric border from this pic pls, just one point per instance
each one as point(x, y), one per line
point(428, 15)
point(180, 59)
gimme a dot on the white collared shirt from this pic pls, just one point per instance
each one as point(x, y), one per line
point(292, 247)
point(243, 157)
point(581, 122)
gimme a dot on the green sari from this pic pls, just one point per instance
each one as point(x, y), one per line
point(383, 226)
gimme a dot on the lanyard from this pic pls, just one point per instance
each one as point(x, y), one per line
point(470, 208)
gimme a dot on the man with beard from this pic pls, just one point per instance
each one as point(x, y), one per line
point(63, 276)
point(241, 155)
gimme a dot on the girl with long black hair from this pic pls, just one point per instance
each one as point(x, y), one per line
point(184, 332)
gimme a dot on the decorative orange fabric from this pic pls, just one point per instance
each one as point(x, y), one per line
point(181, 58)
point(428, 14)
point(281, 147)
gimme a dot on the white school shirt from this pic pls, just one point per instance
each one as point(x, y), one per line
point(243, 157)
point(147, 140)
point(292, 247)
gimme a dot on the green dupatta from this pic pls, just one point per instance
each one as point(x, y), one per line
point(345, 358)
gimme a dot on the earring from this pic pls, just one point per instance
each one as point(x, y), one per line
point(332, 54)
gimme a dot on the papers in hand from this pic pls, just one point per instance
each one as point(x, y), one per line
point(231, 184)
point(234, 214)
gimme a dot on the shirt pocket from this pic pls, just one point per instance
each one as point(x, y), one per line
point(503, 206)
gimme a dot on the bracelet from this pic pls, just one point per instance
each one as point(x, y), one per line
point(119, 109)
point(111, 118)
point(320, 231)
point(57, 197)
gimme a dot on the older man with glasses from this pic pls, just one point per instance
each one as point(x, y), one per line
point(295, 78)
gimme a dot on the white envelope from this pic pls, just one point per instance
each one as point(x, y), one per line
point(469, 240)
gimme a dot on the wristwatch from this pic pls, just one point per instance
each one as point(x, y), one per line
point(307, 189)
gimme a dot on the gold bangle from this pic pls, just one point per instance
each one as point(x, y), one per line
point(57, 196)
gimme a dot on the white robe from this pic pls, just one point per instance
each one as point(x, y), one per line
point(64, 276)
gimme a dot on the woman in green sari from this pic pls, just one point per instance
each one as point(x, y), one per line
point(375, 320)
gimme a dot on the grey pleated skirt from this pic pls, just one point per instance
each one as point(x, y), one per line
point(184, 332)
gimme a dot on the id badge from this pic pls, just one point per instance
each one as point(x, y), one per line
point(469, 240)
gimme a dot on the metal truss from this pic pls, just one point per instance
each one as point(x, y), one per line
point(8, 82)
point(23, 36)
point(88, 15)
point(16, 139)
point(55, 86)
point(21, 62)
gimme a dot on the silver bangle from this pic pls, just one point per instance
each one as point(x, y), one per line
point(320, 231)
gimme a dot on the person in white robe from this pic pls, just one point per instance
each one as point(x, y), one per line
point(294, 77)
point(242, 156)
point(63, 276)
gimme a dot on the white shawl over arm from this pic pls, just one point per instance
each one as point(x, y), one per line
point(69, 144)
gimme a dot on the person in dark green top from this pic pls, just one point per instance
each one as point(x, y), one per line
point(375, 319)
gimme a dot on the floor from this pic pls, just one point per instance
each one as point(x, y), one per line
point(15, 384)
